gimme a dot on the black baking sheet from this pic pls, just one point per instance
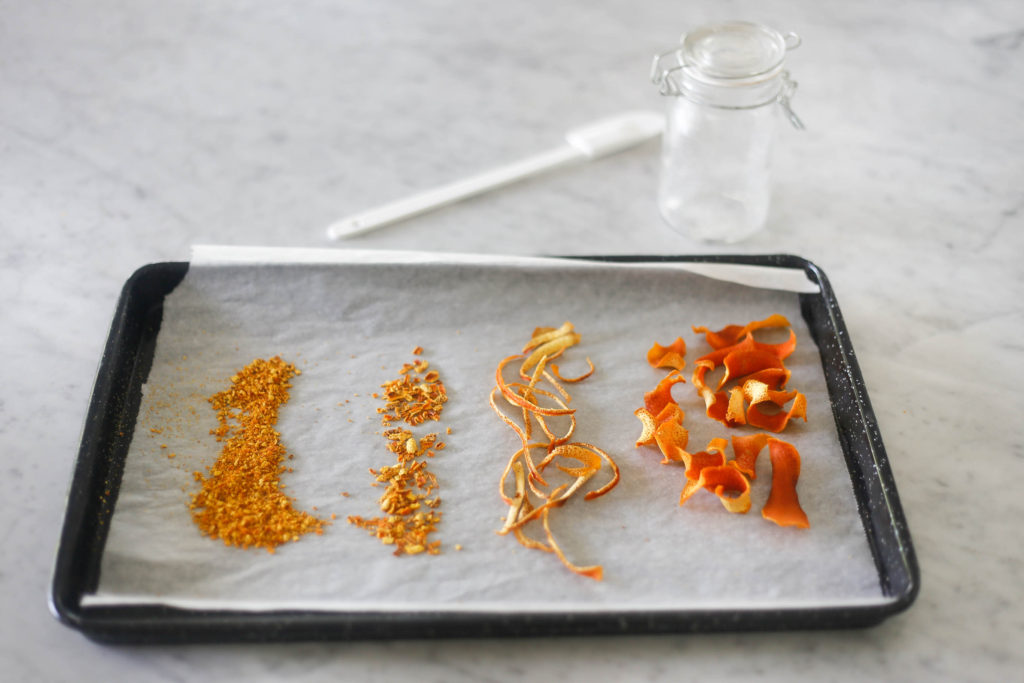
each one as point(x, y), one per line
point(111, 420)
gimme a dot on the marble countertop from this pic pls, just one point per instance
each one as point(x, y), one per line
point(132, 130)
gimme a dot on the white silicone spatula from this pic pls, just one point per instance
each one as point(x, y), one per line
point(592, 141)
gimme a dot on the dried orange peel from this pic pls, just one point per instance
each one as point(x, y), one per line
point(671, 356)
point(731, 334)
point(730, 479)
point(572, 466)
point(783, 505)
point(754, 376)
point(748, 391)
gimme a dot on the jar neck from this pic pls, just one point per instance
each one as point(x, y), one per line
point(751, 93)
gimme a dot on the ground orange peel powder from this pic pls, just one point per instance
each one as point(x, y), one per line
point(241, 501)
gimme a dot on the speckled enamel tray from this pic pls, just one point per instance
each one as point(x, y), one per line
point(111, 419)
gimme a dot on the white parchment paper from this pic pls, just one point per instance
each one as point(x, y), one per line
point(349, 322)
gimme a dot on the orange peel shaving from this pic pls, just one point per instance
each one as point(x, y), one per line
point(573, 380)
point(540, 397)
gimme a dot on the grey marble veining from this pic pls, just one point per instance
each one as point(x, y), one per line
point(130, 130)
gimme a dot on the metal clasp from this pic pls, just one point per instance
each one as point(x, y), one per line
point(661, 76)
point(787, 92)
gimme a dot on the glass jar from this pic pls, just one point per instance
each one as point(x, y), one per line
point(724, 82)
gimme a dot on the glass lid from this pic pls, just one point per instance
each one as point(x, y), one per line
point(735, 49)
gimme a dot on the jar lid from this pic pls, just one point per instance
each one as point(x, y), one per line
point(736, 50)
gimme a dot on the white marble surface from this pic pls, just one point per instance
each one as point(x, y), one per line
point(130, 130)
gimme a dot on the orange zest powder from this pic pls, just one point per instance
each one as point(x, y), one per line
point(411, 515)
point(241, 501)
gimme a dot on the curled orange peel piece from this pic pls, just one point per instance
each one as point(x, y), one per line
point(782, 350)
point(671, 412)
point(593, 572)
point(541, 397)
point(578, 378)
point(758, 393)
point(726, 408)
point(741, 363)
point(774, 378)
point(672, 438)
point(591, 462)
point(661, 396)
point(783, 505)
point(722, 479)
point(549, 349)
point(712, 456)
point(671, 356)
point(745, 451)
point(542, 335)
point(731, 334)
point(648, 426)
point(514, 397)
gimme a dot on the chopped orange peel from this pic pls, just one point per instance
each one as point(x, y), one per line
point(541, 397)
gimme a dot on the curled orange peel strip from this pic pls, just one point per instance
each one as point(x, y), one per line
point(578, 378)
point(671, 356)
point(515, 398)
point(648, 426)
point(549, 348)
point(734, 413)
point(542, 335)
point(518, 501)
point(756, 391)
point(782, 350)
point(658, 398)
point(612, 483)
point(777, 422)
point(542, 405)
point(523, 437)
point(730, 334)
point(593, 572)
point(712, 456)
point(591, 461)
point(741, 363)
point(672, 439)
point(722, 479)
point(745, 450)
point(671, 412)
point(774, 378)
point(718, 405)
point(522, 453)
point(783, 505)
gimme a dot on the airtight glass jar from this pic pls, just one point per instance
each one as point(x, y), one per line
point(726, 87)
